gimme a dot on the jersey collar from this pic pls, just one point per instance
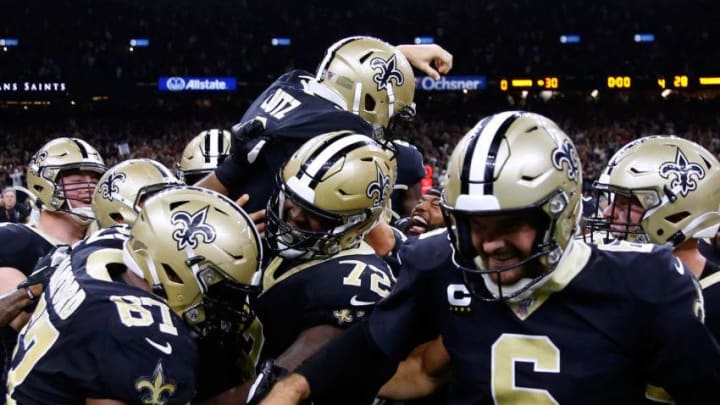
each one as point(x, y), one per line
point(576, 258)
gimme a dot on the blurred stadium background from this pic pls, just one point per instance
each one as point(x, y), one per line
point(140, 78)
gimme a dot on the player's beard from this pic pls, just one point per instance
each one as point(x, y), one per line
point(510, 276)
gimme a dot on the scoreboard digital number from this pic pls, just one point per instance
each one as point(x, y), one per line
point(545, 83)
point(619, 82)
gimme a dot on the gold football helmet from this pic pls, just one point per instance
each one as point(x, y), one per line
point(373, 77)
point(512, 162)
point(675, 183)
point(122, 189)
point(197, 249)
point(203, 154)
point(48, 165)
point(341, 178)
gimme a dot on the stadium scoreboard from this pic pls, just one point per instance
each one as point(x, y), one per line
point(607, 82)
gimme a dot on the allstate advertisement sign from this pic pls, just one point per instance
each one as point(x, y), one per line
point(184, 83)
point(452, 83)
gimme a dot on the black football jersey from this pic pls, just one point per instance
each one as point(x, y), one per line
point(292, 114)
point(92, 336)
point(338, 291)
point(21, 246)
point(607, 321)
point(228, 362)
point(393, 258)
point(709, 251)
point(710, 282)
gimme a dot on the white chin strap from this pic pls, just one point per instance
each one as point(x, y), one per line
point(494, 289)
point(131, 264)
point(82, 215)
point(290, 254)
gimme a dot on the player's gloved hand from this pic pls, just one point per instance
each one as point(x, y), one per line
point(268, 375)
point(247, 141)
point(41, 274)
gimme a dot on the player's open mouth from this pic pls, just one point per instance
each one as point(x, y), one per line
point(418, 226)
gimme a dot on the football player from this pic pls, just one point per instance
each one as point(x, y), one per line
point(122, 190)
point(427, 215)
point(407, 191)
point(324, 278)
point(361, 85)
point(527, 312)
point(62, 175)
point(120, 326)
point(203, 154)
point(228, 355)
point(663, 190)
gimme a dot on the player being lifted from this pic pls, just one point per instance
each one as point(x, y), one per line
point(361, 85)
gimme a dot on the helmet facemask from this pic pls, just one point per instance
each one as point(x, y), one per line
point(616, 220)
point(292, 242)
point(83, 214)
point(544, 256)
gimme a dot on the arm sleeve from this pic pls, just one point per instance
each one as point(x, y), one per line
point(329, 375)
point(233, 175)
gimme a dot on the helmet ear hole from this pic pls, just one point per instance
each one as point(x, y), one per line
point(171, 274)
point(677, 217)
point(369, 103)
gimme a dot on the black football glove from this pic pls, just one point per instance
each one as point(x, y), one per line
point(268, 375)
point(247, 141)
point(44, 269)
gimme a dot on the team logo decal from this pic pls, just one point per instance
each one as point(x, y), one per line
point(343, 316)
point(566, 155)
point(379, 189)
point(36, 159)
point(685, 174)
point(192, 228)
point(385, 71)
point(158, 390)
point(109, 187)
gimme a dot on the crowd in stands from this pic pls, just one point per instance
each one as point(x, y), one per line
point(88, 42)
point(597, 129)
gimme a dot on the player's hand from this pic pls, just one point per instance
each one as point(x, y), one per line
point(247, 141)
point(268, 375)
point(430, 59)
point(40, 276)
point(258, 217)
point(290, 390)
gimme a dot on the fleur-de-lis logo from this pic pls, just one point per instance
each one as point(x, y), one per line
point(158, 391)
point(385, 71)
point(109, 187)
point(343, 316)
point(192, 228)
point(566, 155)
point(379, 189)
point(685, 173)
point(36, 160)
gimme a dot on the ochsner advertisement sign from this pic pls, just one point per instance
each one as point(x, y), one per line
point(452, 83)
point(184, 83)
